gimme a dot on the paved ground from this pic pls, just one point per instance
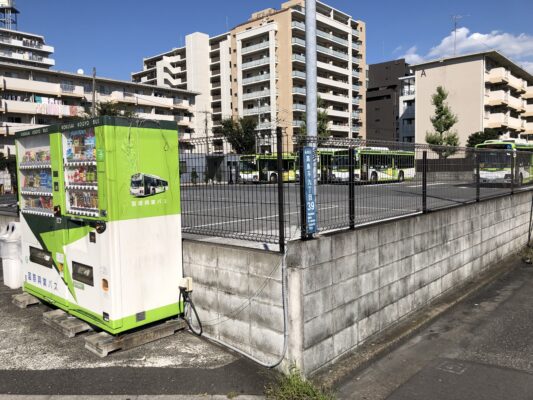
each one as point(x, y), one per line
point(481, 349)
point(253, 209)
point(35, 360)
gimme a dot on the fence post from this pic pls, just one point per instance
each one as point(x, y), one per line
point(478, 189)
point(281, 204)
point(351, 185)
point(424, 180)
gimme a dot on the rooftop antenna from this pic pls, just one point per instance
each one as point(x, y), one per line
point(456, 18)
point(8, 15)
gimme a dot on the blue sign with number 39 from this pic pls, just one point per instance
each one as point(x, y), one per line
point(309, 160)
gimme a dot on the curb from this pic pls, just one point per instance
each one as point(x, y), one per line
point(375, 348)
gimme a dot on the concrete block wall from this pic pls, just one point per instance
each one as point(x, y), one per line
point(6, 218)
point(353, 285)
point(237, 292)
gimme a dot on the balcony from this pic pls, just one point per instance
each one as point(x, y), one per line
point(320, 33)
point(516, 123)
point(517, 83)
point(264, 126)
point(356, 46)
point(299, 107)
point(355, 73)
point(517, 104)
point(332, 38)
point(298, 90)
point(256, 63)
point(356, 87)
point(338, 84)
point(529, 127)
point(27, 57)
point(497, 97)
point(25, 107)
point(408, 92)
point(216, 98)
point(334, 97)
point(215, 60)
point(357, 59)
point(25, 85)
point(298, 123)
point(257, 110)
point(298, 74)
point(498, 75)
point(32, 44)
point(257, 78)
point(256, 95)
point(356, 129)
point(356, 115)
point(356, 101)
point(298, 41)
point(331, 52)
point(298, 57)
point(356, 33)
point(345, 128)
point(338, 113)
point(497, 120)
point(529, 110)
point(529, 92)
point(255, 47)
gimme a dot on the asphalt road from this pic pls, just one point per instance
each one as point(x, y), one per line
point(251, 211)
point(480, 350)
point(36, 360)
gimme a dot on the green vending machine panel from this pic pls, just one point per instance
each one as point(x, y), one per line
point(101, 225)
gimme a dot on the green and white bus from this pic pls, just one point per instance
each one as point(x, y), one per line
point(371, 164)
point(262, 168)
point(143, 185)
point(500, 157)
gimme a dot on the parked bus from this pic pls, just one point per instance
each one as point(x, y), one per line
point(371, 164)
point(261, 168)
point(143, 185)
point(499, 158)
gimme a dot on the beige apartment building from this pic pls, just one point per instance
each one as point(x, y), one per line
point(32, 97)
point(486, 90)
point(257, 70)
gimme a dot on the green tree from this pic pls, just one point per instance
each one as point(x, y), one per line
point(240, 134)
point(480, 137)
point(442, 138)
point(322, 120)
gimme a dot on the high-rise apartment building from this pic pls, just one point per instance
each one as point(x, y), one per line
point(486, 90)
point(21, 47)
point(257, 70)
point(382, 99)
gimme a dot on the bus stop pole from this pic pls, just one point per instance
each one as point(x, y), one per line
point(310, 179)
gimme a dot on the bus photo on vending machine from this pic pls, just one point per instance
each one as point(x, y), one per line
point(143, 185)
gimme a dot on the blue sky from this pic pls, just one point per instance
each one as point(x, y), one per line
point(114, 35)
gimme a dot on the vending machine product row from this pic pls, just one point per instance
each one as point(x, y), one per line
point(100, 216)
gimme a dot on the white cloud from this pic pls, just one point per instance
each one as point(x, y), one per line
point(411, 57)
point(518, 47)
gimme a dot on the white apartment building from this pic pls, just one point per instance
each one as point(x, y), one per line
point(32, 97)
point(21, 47)
point(258, 70)
point(486, 90)
point(406, 113)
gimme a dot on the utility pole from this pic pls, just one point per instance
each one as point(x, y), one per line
point(94, 93)
point(206, 127)
point(311, 69)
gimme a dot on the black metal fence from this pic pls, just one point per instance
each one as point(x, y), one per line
point(258, 196)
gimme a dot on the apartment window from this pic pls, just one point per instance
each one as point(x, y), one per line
point(15, 120)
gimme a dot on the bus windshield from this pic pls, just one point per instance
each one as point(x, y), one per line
point(136, 183)
point(248, 165)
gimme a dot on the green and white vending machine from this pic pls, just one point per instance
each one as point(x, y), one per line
point(100, 217)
